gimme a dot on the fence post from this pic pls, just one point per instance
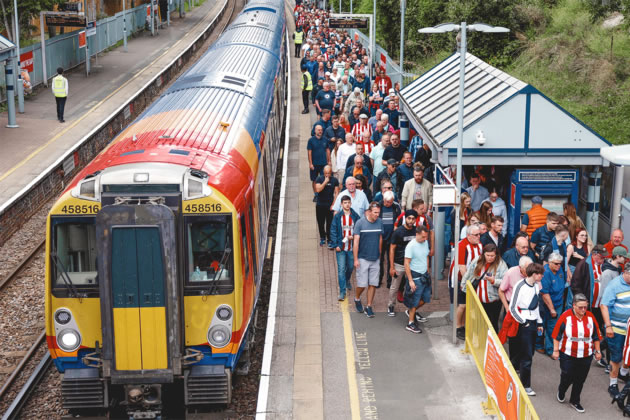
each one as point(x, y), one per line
point(42, 37)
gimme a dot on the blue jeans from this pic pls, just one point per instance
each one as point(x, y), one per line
point(549, 324)
point(345, 265)
point(448, 232)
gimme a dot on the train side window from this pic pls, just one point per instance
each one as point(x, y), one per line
point(252, 238)
point(244, 244)
point(74, 255)
point(210, 261)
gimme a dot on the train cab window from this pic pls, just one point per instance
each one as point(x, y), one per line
point(74, 256)
point(253, 242)
point(244, 245)
point(209, 255)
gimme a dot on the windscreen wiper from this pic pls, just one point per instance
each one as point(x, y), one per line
point(64, 275)
point(224, 258)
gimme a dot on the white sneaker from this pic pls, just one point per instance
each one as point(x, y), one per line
point(530, 392)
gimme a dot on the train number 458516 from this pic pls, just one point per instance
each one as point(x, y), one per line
point(202, 208)
point(80, 209)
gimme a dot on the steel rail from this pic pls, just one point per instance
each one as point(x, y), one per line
point(16, 406)
point(7, 279)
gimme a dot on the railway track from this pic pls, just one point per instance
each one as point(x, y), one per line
point(22, 264)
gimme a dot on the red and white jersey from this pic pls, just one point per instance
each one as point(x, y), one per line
point(465, 254)
point(626, 347)
point(482, 289)
point(384, 83)
point(358, 129)
point(597, 295)
point(347, 226)
point(367, 146)
point(576, 336)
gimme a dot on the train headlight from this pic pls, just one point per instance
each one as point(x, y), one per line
point(68, 340)
point(219, 336)
point(224, 313)
point(63, 316)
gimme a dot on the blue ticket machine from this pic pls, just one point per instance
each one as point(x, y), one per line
point(555, 186)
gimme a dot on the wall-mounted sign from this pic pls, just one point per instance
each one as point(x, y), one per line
point(71, 20)
point(348, 23)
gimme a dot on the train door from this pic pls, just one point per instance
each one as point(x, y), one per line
point(139, 311)
point(137, 278)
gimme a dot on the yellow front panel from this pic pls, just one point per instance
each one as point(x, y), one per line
point(153, 324)
point(127, 348)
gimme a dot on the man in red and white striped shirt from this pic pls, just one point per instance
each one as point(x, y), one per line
point(576, 338)
point(362, 127)
point(468, 249)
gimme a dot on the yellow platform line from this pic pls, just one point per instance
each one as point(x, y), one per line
point(355, 409)
point(74, 124)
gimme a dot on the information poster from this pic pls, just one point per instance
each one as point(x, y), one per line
point(501, 386)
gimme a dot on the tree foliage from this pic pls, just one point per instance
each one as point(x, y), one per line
point(27, 10)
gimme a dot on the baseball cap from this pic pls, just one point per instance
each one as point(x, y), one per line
point(363, 116)
point(619, 250)
point(536, 199)
point(327, 73)
point(392, 161)
point(392, 91)
point(599, 249)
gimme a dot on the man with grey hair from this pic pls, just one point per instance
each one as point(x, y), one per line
point(552, 292)
point(359, 167)
point(390, 210)
point(359, 200)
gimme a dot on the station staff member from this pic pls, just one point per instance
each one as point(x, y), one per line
point(306, 84)
point(60, 90)
point(298, 38)
point(576, 338)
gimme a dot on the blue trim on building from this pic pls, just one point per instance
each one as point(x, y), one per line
point(528, 111)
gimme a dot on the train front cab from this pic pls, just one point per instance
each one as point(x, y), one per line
point(147, 292)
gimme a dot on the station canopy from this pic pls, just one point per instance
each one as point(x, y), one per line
point(6, 48)
point(520, 125)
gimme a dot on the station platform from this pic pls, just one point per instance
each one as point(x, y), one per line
point(40, 140)
point(330, 362)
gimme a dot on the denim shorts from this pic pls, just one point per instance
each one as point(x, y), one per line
point(423, 290)
point(615, 345)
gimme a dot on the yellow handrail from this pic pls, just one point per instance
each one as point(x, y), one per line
point(477, 327)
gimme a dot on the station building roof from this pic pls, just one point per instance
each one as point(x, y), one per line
point(521, 126)
point(6, 48)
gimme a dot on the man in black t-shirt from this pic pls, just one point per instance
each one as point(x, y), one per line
point(327, 188)
point(395, 151)
point(400, 239)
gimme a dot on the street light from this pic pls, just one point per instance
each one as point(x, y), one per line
point(461, 28)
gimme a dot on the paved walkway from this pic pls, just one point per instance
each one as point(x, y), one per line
point(41, 139)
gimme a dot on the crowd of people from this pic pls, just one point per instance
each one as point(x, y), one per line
point(550, 289)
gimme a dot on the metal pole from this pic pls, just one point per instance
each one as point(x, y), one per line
point(403, 7)
point(373, 41)
point(18, 67)
point(124, 27)
point(168, 13)
point(351, 7)
point(615, 220)
point(152, 18)
point(182, 12)
point(42, 37)
point(8, 74)
point(372, 55)
point(458, 182)
point(339, 7)
point(87, 48)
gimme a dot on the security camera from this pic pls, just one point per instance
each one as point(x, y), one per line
point(481, 139)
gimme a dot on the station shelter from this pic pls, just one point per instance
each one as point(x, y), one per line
point(525, 142)
point(8, 60)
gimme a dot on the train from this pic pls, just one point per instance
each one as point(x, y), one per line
point(155, 250)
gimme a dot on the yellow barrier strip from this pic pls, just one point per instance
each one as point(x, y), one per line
point(355, 409)
point(477, 326)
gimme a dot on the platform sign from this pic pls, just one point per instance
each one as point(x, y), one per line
point(26, 61)
point(502, 387)
point(82, 39)
point(90, 29)
point(348, 23)
point(68, 20)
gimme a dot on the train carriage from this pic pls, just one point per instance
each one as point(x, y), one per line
point(155, 250)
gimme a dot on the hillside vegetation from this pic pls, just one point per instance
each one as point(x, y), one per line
point(561, 47)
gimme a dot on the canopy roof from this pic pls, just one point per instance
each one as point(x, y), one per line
point(6, 48)
point(518, 122)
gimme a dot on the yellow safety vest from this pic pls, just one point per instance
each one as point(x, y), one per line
point(298, 36)
point(59, 86)
point(309, 81)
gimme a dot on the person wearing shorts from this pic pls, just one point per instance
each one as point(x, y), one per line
point(418, 288)
point(368, 242)
point(615, 307)
point(400, 239)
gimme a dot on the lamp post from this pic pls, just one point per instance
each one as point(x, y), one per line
point(124, 26)
point(18, 65)
point(403, 8)
point(462, 29)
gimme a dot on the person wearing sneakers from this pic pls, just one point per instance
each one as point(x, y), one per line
point(576, 339)
point(366, 250)
point(341, 232)
point(400, 239)
point(524, 308)
point(418, 288)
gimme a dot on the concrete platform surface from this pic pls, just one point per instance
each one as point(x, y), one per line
point(41, 139)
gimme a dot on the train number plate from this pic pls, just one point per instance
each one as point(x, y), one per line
point(80, 209)
point(202, 208)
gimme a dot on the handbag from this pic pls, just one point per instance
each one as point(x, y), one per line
point(477, 280)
